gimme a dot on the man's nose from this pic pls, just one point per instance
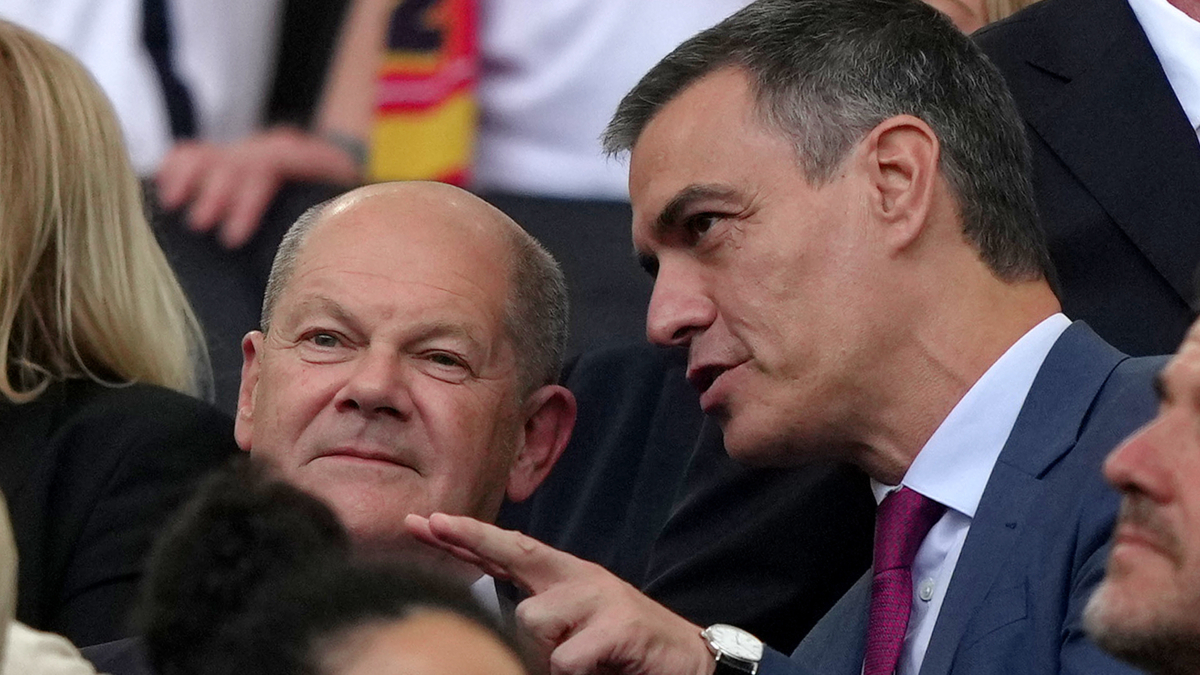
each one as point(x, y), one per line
point(1137, 464)
point(679, 308)
point(376, 385)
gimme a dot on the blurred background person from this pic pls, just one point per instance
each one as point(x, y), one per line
point(971, 15)
point(1147, 609)
point(23, 650)
point(172, 68)
point(100, 427)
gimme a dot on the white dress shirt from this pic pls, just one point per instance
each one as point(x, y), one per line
point(953, 469)
point(1175, 38)
point(484, 592)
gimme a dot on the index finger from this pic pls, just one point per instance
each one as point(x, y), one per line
point(526, 561)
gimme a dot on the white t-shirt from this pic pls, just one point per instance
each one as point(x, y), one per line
point(223, 51)
point(552, 75)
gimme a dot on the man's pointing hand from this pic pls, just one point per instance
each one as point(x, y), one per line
point(585, 618)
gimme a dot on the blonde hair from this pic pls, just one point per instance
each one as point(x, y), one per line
point(85, 291)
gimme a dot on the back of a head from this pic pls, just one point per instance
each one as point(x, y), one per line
point(242, 527)
point(85, 290)
point(256, 576)
point(826, 72)
point(314, 620)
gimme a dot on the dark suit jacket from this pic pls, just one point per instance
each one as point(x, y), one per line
point(90, 473)
point(1038, 543)
point(768, 550)
point(1115, 166)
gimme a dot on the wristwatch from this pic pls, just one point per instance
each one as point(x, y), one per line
point(737, 652)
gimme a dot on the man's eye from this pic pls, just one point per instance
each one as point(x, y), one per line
point(447, 360)
point(698, 225)
point(447, 367)
point(325, 340)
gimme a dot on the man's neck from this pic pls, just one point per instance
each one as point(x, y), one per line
point(946, 353)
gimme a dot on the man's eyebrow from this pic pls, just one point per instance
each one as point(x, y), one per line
point(674, 210)
point(445, 329)
point(323, 304)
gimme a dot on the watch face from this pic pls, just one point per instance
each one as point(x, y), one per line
point(735, 642)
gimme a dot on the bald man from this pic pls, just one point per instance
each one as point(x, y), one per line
point(411, 340)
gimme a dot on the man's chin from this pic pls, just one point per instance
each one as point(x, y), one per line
point(405, 549)
point(1131, 630)
point(747, 444)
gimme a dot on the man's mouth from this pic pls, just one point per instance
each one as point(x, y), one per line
point(1139, 525)
point(362, 455)
point(703, 377)
point(713, 383)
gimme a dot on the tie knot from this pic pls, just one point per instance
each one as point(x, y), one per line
point(901, 523)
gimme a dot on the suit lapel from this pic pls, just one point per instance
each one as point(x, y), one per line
point(1115, 108)
point(1045, 430)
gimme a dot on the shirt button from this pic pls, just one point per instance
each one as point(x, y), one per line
point(926, 590)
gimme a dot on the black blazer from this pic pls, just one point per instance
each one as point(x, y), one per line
point(1116, 166)
point(90, 473)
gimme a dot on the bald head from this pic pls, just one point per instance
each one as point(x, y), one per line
point(440, 218)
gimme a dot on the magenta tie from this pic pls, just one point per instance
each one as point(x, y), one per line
point(901, 523)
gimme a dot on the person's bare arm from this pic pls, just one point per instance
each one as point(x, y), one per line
point(229, 186)
point(585, 618)
point(348, 98)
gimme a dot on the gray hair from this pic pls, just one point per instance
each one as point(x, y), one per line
point(285, 259)
point(535, 314)
point(826, 72)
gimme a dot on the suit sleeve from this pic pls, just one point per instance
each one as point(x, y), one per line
point(774, 663)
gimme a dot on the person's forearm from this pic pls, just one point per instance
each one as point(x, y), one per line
point(348, 97)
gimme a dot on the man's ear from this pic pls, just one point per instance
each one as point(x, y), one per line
point(243, 425)
point(901, 155)
point(549, 418)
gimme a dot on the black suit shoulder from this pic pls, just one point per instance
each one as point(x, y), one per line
point(1114, 162)
point(90, 473)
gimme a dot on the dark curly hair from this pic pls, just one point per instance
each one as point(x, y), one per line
point(256, 576)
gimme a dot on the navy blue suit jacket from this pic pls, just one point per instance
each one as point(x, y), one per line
point(1038, 543)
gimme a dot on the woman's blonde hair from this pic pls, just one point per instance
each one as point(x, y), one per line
point(85, 291)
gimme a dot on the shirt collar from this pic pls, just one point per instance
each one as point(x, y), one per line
point(954, 466)
point(1175, 38)
point(484, 592)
